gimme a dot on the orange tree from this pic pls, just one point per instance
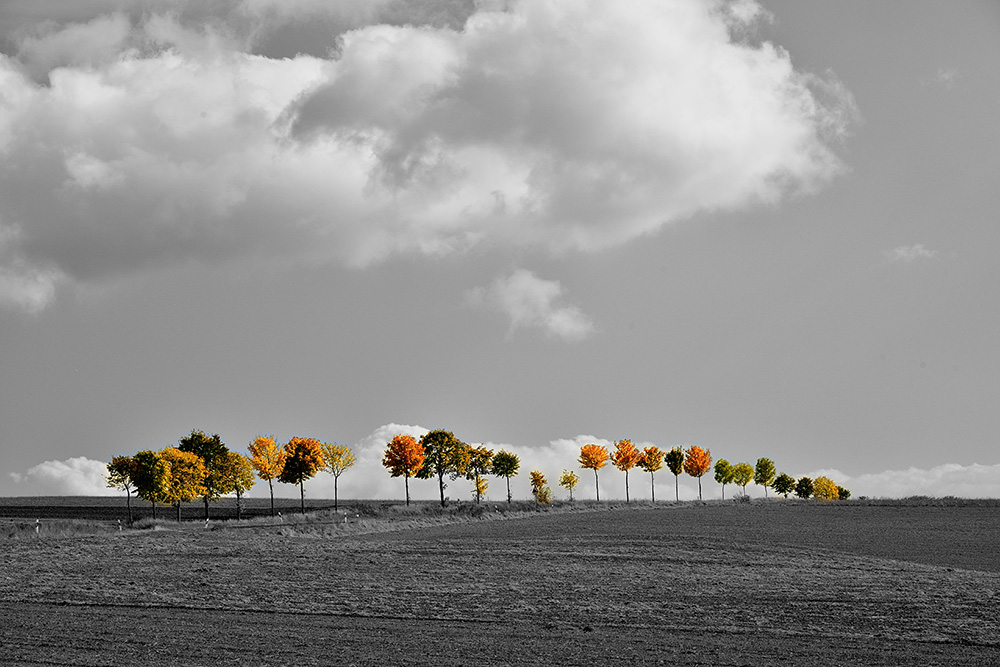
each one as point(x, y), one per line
point(303, 459)
point(268, 460)
point(444, 454)
point(697, 462)
point(505, 464)
point(675, 464)
point(121, 472)
point(187, 477)
point(594, 457)
point(404, 457)
point(650, 461)
point(214, 457)
point(336, 459)
point(480, 459)
point(625, 457)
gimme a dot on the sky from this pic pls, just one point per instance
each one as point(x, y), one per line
point(769, 229)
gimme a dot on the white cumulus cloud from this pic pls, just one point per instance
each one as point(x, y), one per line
point(134, 141)
point(78, 476)
point(532, 302)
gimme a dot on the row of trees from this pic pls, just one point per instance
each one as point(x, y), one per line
point(440, 454)
point(201, 466)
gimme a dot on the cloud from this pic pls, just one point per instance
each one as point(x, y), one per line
point(146, 139)
point(944, 77)
point(949, 479)
point(910, 253)
point(531, 302)
point(77, 476)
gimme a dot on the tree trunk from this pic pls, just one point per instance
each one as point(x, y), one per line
point(302, 495)
point(508, 490)
point(239, 505)
point(270, 485)
point(677, 492)
point(597, 485)
point(407, 484)
point(206, 508)
point(626, 487)
point(128, 504)
point(441, 486)
point(652, 487)
point(335, 493)
point(699, 488)
point(723, 491)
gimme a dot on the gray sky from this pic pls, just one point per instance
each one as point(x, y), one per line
point(770, 230)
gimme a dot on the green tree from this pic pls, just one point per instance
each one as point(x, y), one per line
point(187, 477)
point(214, 457)
point(336, 459)
point(121, 470)
point(742, 475)
point(783, 484)
point(842, 493)
point(763, 473)
point(238, 477)
point(506, 465)
point(723, 474)
point(444, 455)
point(675, 464)
point(303, 459)
point(151, 477)
point(650, 461)
point(804, 487)
point(480, 460)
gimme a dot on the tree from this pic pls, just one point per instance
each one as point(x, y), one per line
point(444, 454)
point(742, 475)
point(238, 478)
point(568, 481)
point(480, 459)
point(763, 473)
point(675, 464)
point(336, 459)
point(214, 456)
point(723, 474)
point(268, 460)
point(650, 461)
point(697, 462)
point(121, 471)
point(151, 476)
point(303, 459)
point(783, 484)
point(594, 457)
point(404, 457)
point(825, 489)
point(842, 493)
point(625, 457)
point(187, 477)
point(506, 464)
point(539, 488)
point(804, 487)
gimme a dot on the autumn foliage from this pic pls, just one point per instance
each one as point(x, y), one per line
point(697, 462)
point(303, 459)
point(268, 460)
point(594, 457)
point(404, 457)
point(625, 457)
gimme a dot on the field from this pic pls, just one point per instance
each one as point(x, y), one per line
point(755, 584)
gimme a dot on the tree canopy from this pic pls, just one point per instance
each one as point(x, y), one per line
point(444, 455)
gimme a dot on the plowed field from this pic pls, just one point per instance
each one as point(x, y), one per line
point(764, 584)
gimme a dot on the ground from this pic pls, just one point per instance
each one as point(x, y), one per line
point(677, 584)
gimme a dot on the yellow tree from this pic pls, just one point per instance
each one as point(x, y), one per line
point(121, 472)
point(404, 457)
point(336, 459)
point(825, 489)
point(480, 460)
point(625, 457)
point(236, 475)
point(568, 481)
point(650, 461)
point(594, 457)
point(187, 477)
point(541, 492)
point(741, 474)
point(697, 462)
point(268, 460)
point(303, 459)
